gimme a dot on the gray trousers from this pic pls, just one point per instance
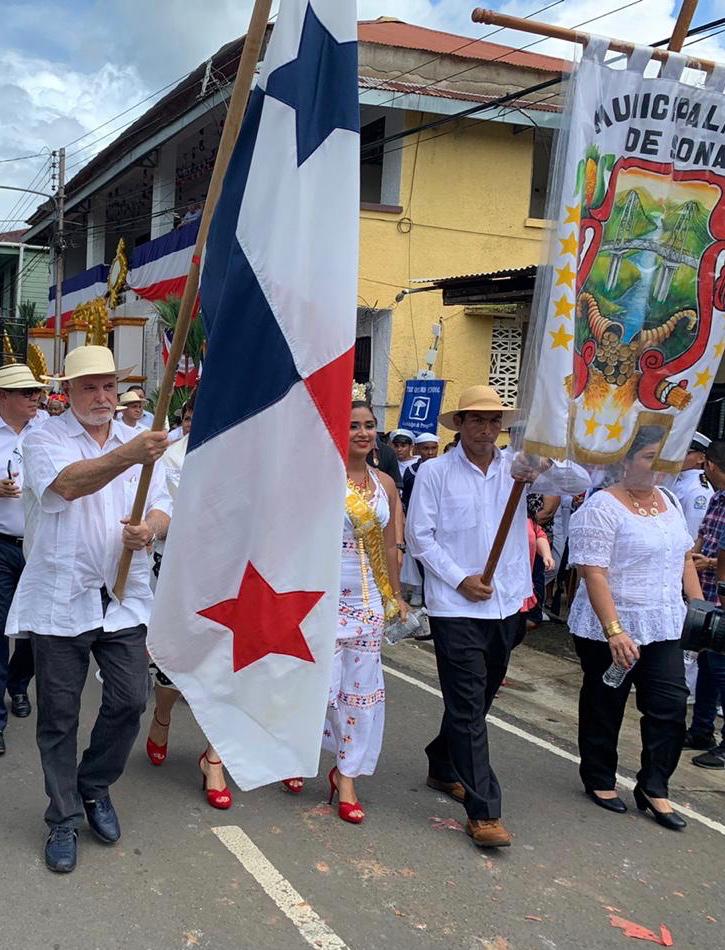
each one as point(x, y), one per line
point(61, 667)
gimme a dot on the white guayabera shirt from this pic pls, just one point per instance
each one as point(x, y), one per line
point(453, 517)
point(12, 510)
point(77, 544)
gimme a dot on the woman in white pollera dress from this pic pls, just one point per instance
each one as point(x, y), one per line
point(369, 596)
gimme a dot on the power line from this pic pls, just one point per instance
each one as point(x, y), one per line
point(152, 95)
point(23, 201)
point(124, 126)
point(511, 51)
point(20, 158)
point(509, 97)
point(451, 52)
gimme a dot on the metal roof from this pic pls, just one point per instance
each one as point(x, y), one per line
point(529, 271)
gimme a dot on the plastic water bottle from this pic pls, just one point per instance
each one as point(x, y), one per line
point(616, 675)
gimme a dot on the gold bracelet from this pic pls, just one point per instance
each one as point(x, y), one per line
point(613, 629)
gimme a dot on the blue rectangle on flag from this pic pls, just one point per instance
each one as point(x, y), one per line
point(421, 405)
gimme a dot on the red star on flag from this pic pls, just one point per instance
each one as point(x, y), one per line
point(264, 621)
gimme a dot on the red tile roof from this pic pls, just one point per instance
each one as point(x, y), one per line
point(387, 31)
point(12, 237)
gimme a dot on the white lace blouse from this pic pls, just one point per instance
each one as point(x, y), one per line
point(644, 558)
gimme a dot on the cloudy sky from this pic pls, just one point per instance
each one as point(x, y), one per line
point(67, 66)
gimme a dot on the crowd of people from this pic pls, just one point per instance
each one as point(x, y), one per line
point(640, 550)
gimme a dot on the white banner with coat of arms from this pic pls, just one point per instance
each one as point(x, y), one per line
point(629, 310)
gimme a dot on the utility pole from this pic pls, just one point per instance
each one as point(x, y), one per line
point(59, 248)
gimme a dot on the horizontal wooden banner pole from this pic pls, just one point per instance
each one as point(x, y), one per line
point(481, 15)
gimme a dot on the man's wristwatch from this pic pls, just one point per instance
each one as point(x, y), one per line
point(400, 547)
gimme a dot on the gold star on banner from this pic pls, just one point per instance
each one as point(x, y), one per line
point(566, 276)
point(703, 378)
point(561, 338)
point(719, 349)
point(572, 215)
point(569, 245)
point(615, 430)
point(564, 308)
point(591, 425)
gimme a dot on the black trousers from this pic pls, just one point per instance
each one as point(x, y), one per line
point(16, 671)
point(472, 657)
point(659, 678)
point(61, 667)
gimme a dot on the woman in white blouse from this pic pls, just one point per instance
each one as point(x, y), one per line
point(632, 547)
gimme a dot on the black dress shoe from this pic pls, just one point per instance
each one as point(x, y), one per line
point(699, 740)
point(61, 849)
point(2, 744)
point(20, 705)
point(608, 804)
point(103, 820)
point(714, 759)
point(668, 819)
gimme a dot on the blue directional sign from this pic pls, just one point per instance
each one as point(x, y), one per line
point(421, 405)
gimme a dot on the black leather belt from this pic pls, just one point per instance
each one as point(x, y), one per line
point(11, 539)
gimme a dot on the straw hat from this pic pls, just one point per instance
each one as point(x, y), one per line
point(91, 361)
point(478, 399)
point(18, 376)
point(129, 398)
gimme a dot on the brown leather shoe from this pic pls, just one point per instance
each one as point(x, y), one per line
point(454, 789)
point(488, 833)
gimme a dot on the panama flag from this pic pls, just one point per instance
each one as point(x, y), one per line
point(245, 612)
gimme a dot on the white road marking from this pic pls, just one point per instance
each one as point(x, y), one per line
point(310, 926)
point(555, 750)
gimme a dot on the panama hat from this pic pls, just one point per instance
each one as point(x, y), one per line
point(18, 376)
point(91, 361)
point(129, 398)
point(478, 399)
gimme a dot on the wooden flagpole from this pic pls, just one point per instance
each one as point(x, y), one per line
point(237, 107)
point(679, 33)
point(684, 18)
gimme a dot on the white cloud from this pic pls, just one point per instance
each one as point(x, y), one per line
point(44, 105)
point(59, 83)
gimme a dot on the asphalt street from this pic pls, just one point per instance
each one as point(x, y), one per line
point(283, 872)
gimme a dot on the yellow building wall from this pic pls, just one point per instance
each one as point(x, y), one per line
point(465, 199)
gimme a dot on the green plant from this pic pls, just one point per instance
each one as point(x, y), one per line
point(168, 311)
point(178, 398)
point(28, 314)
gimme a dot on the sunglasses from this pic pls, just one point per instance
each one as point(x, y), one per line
point(29, 393)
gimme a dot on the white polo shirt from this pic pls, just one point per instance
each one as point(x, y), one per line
point(77, 544)
point(12, 510)
point(453, 517)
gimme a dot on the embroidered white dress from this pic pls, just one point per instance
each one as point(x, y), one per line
point(356, 712)
point(644, 558)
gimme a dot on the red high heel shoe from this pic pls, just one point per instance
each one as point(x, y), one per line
point(157, 753)
point(294, 785)
point(345, 809)
point(216, 798)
